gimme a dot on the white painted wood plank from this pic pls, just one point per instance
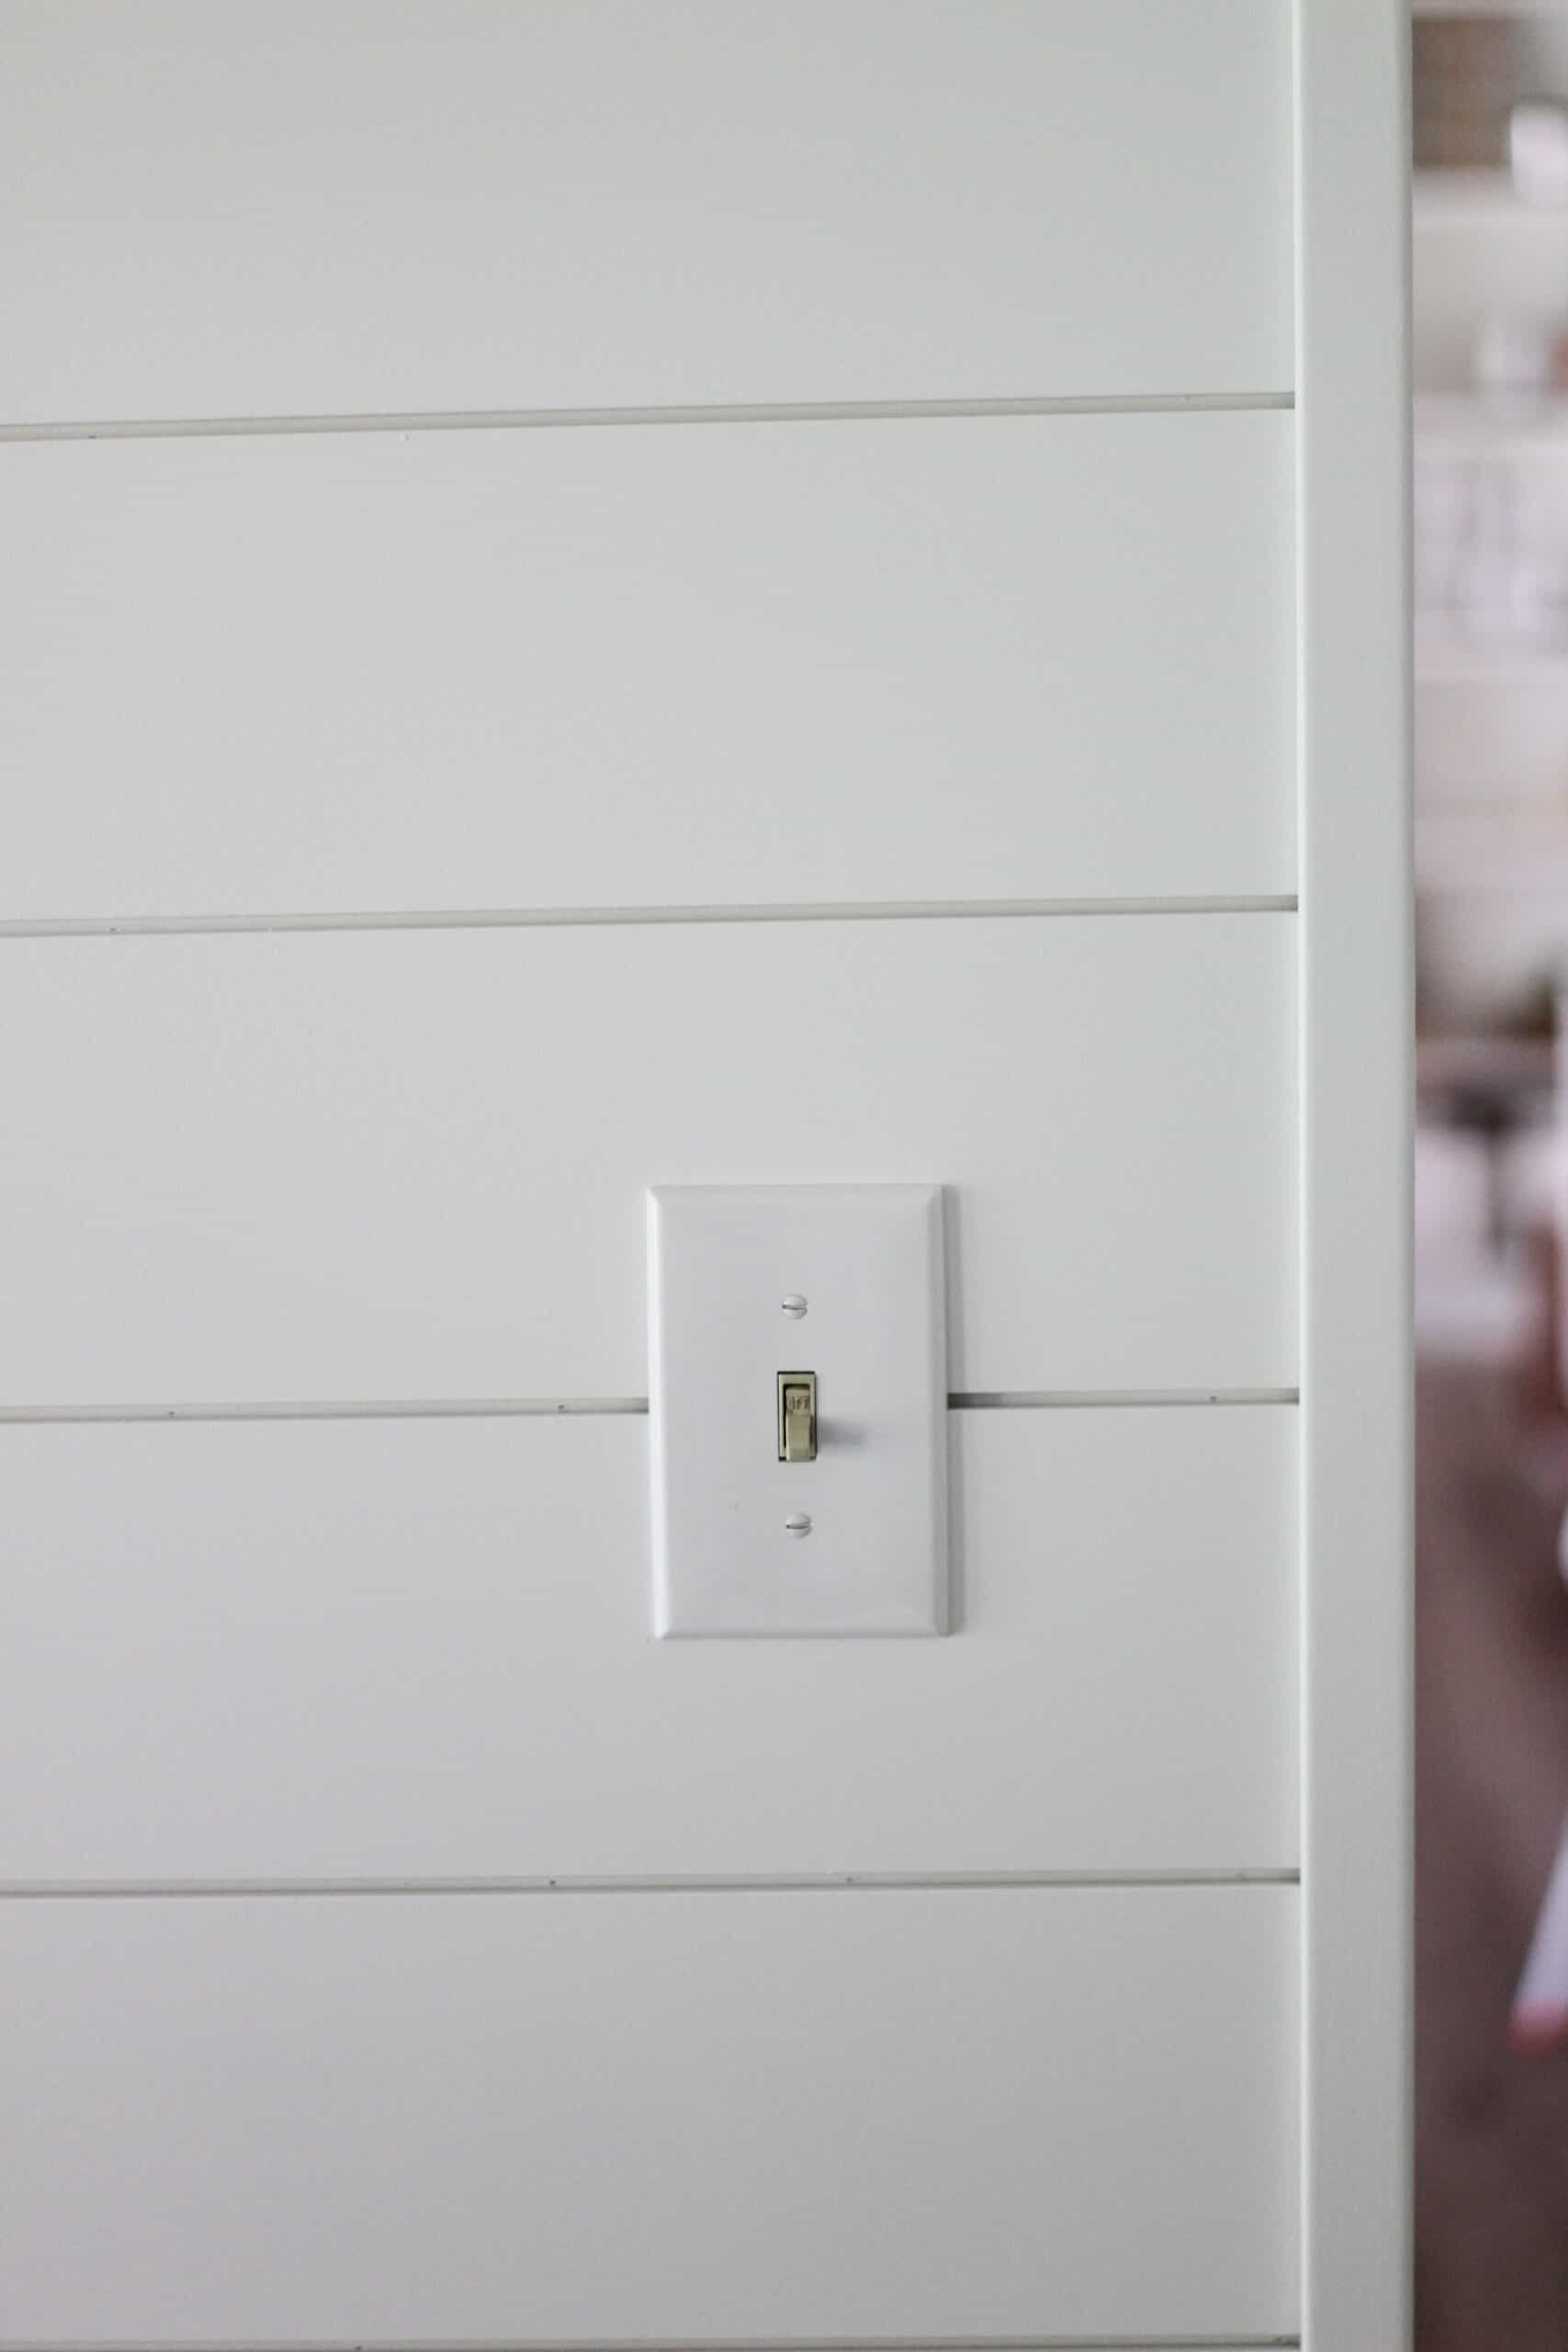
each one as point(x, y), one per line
point(475, 204)
point(660, 665)
point(433, 2118)
point(382, 1649)
point(1357, 1051)
point(412, 1163)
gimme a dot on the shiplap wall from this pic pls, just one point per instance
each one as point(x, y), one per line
point(538, 533)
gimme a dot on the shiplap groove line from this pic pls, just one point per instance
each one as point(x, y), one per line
point(458, 1409)
point(141, 1890)
point(504, 420)
point(589, 918)
point(1056, 1400)
point(474, 1408)
point(678, 2343)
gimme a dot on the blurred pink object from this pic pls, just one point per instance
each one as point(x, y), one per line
point(1540, 2020)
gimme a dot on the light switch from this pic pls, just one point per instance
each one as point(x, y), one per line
point(797, 1416)
point(799, 1396)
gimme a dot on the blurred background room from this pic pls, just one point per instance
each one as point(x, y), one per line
point(1491, 581)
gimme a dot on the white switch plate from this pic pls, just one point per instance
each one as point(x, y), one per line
point(867, 1259)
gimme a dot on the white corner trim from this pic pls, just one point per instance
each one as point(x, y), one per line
point(1357, 1044)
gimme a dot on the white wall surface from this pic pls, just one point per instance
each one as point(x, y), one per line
point(652, 2114)
point(396, 205)
point(410, 1164)
point(440, 1665)
point(653, 665)
point(425, 804)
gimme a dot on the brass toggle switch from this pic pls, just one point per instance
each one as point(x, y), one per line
point(797, 1416)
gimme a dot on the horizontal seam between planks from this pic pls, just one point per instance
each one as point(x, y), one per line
point(1054, 1400)
point(675, 2343)
point(504, 420)
point(592, 918)
point(654, 1882)
point(478, 1409)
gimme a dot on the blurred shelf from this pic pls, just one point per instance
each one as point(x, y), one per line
point(1472, 1315)
point(1474, 425)
point(1489, 7)
point(1439, 200)
point(1440, 196)
point(1517, 1064)
point(1519, 852)
point(1457, 664)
